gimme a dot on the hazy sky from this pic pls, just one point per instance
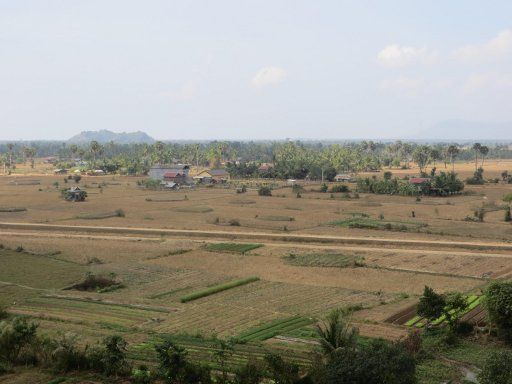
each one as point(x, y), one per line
point(252, 69)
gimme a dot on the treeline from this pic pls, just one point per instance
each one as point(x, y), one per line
point(295, 159)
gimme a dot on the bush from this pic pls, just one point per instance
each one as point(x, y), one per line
point(508, 197)
point(477, 178)
point(234, 222)
point(324, 188)
point(141, 375)
point(497, 369)
point(339, 189)
point(65, 354)
point(508, 216)
point(265, 191)
point(98, 283)
point(376, 363)
point(498, 301)
point(17, 336)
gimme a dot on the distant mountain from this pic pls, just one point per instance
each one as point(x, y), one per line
point(467, 130)
point(104, 136)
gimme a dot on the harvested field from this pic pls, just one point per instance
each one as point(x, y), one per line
point(375, 260)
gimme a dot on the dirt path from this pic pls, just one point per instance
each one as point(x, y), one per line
point(261, 236)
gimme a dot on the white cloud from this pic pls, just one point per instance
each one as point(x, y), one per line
point(498, 47)
point(492, 80)
point(268, 76)
point(401, 56)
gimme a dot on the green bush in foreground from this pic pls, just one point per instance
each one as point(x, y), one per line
point(217, 288)
point(497, 369)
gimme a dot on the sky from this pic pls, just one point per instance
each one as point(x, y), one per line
point(255, 69)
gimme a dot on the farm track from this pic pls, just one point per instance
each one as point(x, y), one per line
point(295, 239)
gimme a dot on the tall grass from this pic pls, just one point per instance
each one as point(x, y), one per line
point(217, 288)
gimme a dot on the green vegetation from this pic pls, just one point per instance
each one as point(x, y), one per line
point(217, 288)
point(194, 209)
point(497, 369)
point(368, 223)
point(12, 209)
point(508, 197)
point(98, 283)
point(265, 191)
point(232, 247)
point(274, 328)
point(103, 215)
point(498, 301)
point(324, 260)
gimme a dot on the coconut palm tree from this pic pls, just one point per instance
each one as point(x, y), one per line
point(336, 333)
point(452, 151)
point(484, 151)
point(476, 149)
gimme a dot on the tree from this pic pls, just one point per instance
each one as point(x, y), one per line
point(452, 151)
point(15, 335)
point(379, 362)
point(250, 373)
point(497, 369)
point(498, 301)
point(10, 148)
point(96, 149)
point(281, 371)
point(114, 356)
point(336, 333)
point(431, 304)
point(483, 151)
point(422, 156)
point(222, 351)
point(176, 369)
point(476, 148)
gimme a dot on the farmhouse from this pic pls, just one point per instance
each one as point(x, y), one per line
point(342, 177)
point(421, 183)
point(174, 173)
point(212, 176)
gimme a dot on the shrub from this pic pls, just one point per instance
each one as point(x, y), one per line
point(496, 369)
point(265, 191)
point(3, 313)
point(141, 375)
point(77, 178)
point(339, 189)
point(100, 283)
point(508, 197)
point(16, 336)
point(477, 178)
point(508, 216)
point(324, 188)
point(498, 301)
point(114, 356)
point(65, 354)
point(234, 222)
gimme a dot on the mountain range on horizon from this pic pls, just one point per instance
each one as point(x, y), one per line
point(104, 136)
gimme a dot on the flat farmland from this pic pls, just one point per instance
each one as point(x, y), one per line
point(291, 284)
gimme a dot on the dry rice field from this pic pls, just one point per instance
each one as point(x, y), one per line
point(304, 279)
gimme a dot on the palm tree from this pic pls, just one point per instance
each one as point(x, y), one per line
point(10, 147)
point(452, 151)
point(476, 148)
point(484, 150)
point(336, 333)
point(96, 149)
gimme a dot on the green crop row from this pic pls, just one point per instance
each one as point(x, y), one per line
point(274, 328)
point(232, 247)
point(217, 288)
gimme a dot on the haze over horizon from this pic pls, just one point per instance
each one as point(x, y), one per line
point(256, 70)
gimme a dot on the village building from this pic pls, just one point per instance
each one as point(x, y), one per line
point(210, 176)
point(178, 173)
point(342, 178)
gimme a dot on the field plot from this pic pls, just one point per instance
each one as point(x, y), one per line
point(298, 283)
